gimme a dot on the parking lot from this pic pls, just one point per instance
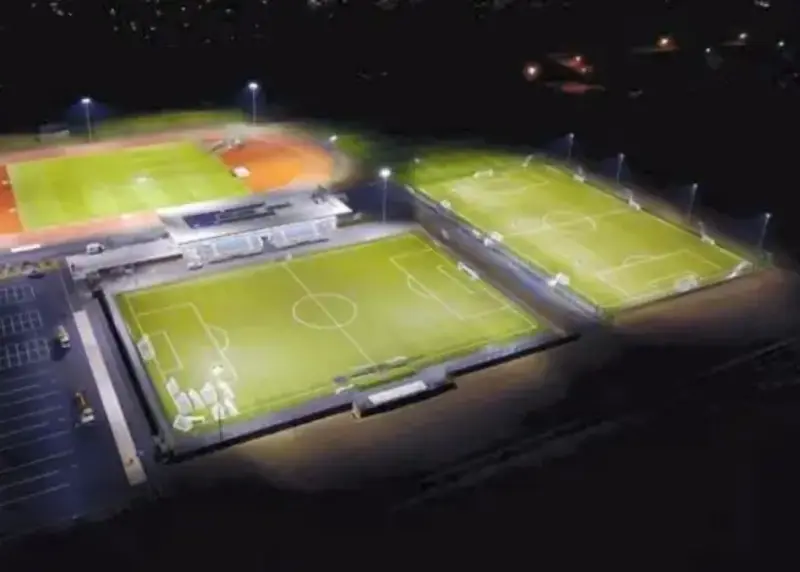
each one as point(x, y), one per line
point(51, 469)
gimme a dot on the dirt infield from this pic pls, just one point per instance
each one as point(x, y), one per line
point(279, 162)
point(9, 218)
point(275, 160)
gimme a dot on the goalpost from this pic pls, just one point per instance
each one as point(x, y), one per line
point(146, 349)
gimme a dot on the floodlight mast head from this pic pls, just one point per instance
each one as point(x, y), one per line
point(252, 86)
point(333, 138)
point(385, 173)
point(86, 101)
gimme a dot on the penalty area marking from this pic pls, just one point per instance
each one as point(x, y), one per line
point(224, 338)
point(461, 284)
point(202, 323)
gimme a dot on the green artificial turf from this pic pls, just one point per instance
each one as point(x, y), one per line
point(279, 333)
point(612, 255)
point(65, 190)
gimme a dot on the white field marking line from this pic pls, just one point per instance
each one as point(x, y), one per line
point(162, 372)
point(37, 461)
point(458, 282)
point(675, 276)
point(33, 479)
point(333, 320)
point(176, 358)
point(198, 315)
point(416, 287)
point(704, 260)
point(681, 230)
point(161, 310)
point(667, 256)
point(226, 340)
point(142, 333)
point(213, 341)
point(503, 304)
point(34, 495)
point(24, 429)
point(431, 295)
point(589, 218)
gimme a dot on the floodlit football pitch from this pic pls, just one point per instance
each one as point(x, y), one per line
point(79, 188)
point(606, 250)
point(247, 342)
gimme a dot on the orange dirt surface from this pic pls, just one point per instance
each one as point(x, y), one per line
point(278, 162)
point(55, 235)
point(9, 218)
point(274, 162)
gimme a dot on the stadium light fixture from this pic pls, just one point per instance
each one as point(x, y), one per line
point(253, 87)
point(531, 72)
point(767, 217)
point(692, 197)
point(384, 173)
point(620, 161)
point(333, 138)
point(781, 44)
point(86, 102)
point(743, 37)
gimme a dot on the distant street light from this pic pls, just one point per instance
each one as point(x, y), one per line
point(253, 87)
point(86, 102)
point(531, 72)
point(767, 217)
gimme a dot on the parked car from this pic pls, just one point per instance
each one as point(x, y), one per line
point(62, 337)
point(84, 410)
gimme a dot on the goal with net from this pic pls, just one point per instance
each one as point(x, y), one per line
point(146, 349)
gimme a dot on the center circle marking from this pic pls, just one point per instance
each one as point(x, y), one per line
point(340, 311)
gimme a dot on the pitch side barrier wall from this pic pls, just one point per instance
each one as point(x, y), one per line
point(433, 379)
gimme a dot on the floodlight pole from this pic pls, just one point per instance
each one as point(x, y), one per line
point(692, 198)
point(763, 237)
point(253, 87)
point(87, 104)
point(620, 160)
point(571, 139)
point(384, 174)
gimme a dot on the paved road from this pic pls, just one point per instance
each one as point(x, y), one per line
point(51, 470)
